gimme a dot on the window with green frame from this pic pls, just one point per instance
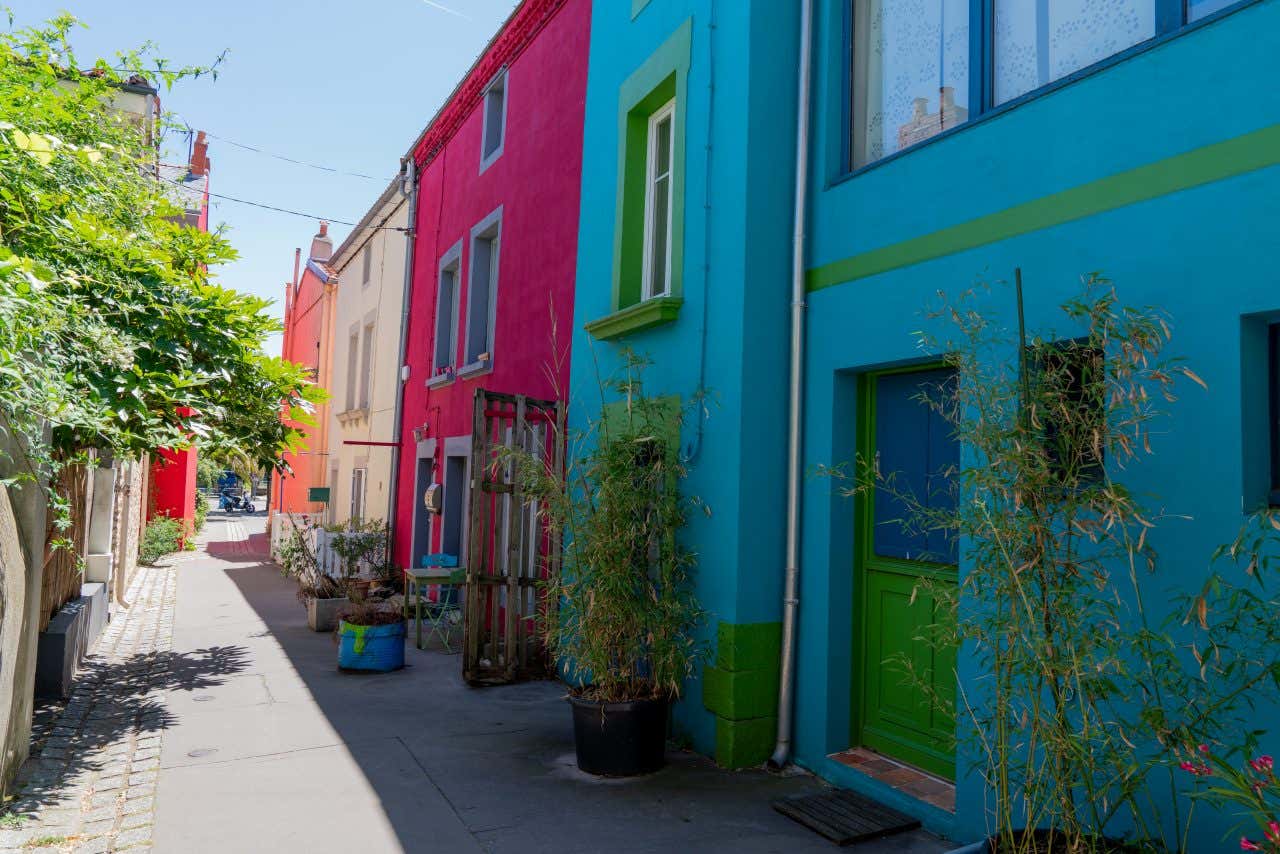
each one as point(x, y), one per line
point(918, 68)
point(648, 252)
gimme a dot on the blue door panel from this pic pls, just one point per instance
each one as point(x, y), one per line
point(915, 448)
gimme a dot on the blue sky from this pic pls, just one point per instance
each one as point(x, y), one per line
point(343, 84)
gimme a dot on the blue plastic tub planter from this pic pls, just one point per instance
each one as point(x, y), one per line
point(377, 648)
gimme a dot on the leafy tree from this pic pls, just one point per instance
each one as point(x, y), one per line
point(112, 329)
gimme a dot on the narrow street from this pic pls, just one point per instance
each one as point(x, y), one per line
point(264, 746)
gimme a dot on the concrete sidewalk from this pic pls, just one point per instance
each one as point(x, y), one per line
point(279, 752)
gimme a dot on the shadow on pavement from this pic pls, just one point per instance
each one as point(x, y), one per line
point(497, 766)
point(111, 702)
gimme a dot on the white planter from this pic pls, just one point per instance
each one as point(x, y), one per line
point(322, 614)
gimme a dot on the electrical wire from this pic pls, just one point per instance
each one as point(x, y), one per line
point(290, 159)
point(285, 210)
point(190, 132)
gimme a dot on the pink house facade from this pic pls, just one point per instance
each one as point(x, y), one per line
point(496, 227)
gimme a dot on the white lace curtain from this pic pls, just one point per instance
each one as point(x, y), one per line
point(905, 51)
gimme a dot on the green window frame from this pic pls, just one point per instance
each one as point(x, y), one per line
point(659, 84)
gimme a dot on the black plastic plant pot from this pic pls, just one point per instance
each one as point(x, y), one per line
point(620, 739)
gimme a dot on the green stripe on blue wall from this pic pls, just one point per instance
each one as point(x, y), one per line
point(1252, 151)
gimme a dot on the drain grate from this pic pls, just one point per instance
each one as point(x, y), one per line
point(845, 817)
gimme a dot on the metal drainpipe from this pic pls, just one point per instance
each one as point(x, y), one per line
point(410, 171)
point(795, 421)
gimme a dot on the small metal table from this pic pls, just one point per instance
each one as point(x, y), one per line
point(443, 613)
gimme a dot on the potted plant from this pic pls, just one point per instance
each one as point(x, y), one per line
point(322, 594)
point(370, 638)
point(359, 546)
point(624, 631)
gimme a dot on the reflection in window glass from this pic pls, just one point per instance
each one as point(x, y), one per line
point(1039, 41)
point(1197, 9)
point(911, 73)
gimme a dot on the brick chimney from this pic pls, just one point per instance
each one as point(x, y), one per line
point(322, 245)
point(199, 164)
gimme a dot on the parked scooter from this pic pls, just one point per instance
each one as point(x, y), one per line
point(229, 500)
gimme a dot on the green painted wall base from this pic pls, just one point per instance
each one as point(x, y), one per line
point(744, 744)
point(741, 690)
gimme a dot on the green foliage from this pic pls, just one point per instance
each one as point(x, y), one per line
point(208, 470)
point(362, 545)
point(112, 330)
point(297, 558)
point(162, 536)
point(1250, 788)
point(627, 613)
point(202, 511)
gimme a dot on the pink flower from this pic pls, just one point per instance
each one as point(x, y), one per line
point(1246, 845)
point(1263, 764)
point(1204, 748)
point(1273, 832)
point(1198, 768)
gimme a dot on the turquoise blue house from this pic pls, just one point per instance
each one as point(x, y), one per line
point(952, 142)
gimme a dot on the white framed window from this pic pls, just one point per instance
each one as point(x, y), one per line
point(657, 203)
point(366, 264)
point(446, 331)
point(366, 366)
point(353, 368)
point(482, 288)
point(493, 136)
point(357, 494)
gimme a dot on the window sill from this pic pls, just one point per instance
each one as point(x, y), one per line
point(440, 380)
point(352, 415)
point(636, 318)
point(475, 369)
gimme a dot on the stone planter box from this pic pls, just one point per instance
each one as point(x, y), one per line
point(70, 635)
point(322, 614)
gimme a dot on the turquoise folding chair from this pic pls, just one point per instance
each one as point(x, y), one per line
point(442, 614)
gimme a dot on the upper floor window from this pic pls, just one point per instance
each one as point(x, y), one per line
point(446, 341)
point(1040, 41)
point(353, 368)
point(495, 120)
point(657, 226)
point(482, 290)
point(910, 73)
point(1197, 9)
point(366, 366)
point(923, 67)
point(366, 264)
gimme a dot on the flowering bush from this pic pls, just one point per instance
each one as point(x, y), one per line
point(1253, 789)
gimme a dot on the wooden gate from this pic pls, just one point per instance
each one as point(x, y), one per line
point(509, 551)
point(65, 541)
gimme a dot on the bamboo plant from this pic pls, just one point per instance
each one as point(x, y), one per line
point(625, 614)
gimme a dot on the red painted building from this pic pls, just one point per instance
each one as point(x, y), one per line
point(495, 253)
point(308, 341)
point(172, 488)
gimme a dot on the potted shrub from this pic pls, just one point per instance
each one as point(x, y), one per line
point(624, 631)
point(323, 594)
point(370, 638)
point(359, 546)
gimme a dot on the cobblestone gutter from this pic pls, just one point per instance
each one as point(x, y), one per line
point(90, 783)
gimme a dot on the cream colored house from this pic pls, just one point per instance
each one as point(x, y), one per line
point(366, 359)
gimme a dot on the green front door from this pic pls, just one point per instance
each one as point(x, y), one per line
point(904, 661)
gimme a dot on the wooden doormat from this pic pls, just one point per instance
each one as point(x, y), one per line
point(844, 817)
